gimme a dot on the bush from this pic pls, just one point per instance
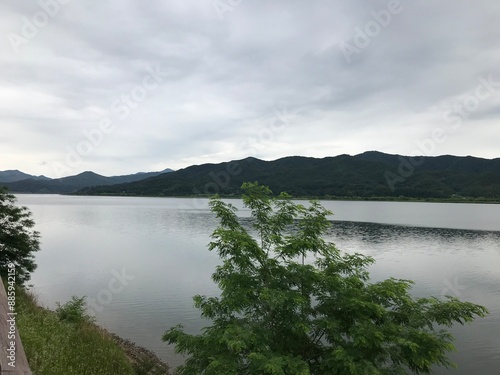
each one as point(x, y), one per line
point(278, 313)
point(73, 311)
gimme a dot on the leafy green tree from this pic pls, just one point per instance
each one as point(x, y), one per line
point(292, 303)
point(18, 240)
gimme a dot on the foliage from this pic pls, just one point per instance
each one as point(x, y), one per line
point(292, 303)
point(18, 240)
point(359, 176)
point(54, 347)
point(73, 311)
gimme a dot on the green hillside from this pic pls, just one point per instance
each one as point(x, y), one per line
point(71, 184)
point(367, 175)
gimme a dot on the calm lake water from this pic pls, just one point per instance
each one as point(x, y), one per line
point(142, 259)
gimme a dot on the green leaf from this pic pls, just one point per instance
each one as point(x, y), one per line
point(278, 314)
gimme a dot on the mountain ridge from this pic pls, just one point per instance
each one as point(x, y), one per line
point(369, 174)
point(13, 175)
point(69, 184)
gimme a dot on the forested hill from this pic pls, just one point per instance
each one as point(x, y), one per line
point(19, 182)
point(371, 174)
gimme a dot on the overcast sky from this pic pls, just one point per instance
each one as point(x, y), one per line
point(121, 86)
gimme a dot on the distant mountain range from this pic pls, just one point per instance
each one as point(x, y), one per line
point(15, 175)
point(19, 182)
point(370, 174)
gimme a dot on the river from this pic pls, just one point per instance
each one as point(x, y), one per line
point(140, 260)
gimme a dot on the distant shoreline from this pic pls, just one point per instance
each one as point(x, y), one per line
point(479, 200)
point(330, 198)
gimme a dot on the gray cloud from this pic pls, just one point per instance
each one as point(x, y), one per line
point(220, 82)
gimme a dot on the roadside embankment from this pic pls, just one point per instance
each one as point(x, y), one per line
point(68, 342)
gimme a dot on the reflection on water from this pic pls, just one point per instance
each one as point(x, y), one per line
point(460, 263)
point(162, 245)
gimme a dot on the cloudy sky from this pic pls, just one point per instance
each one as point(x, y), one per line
point(120, 86)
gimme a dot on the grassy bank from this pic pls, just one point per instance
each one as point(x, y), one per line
point(67, 342)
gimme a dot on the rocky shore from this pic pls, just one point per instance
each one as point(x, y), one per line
point(143, 359)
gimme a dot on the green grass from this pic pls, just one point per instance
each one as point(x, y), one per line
point(56, 345)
